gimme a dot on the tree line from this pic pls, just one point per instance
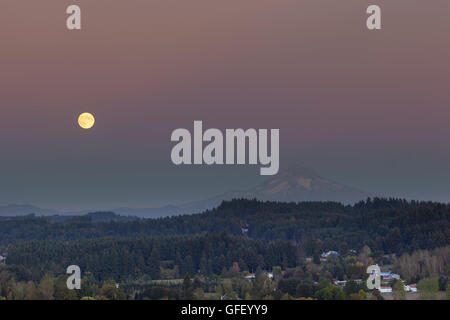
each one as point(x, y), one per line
point(385, 225)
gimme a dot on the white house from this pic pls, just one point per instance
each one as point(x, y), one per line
point(385, 290)
point(250, 276)
point(411, 288)
point(329, 253)
point(389, 276)
point(340, 283)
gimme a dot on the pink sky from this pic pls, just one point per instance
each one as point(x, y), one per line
point(369, 109)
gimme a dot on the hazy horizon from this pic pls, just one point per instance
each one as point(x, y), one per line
point(201, 199)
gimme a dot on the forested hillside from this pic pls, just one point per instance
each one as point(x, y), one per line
point(388, 226)
point(222, 248)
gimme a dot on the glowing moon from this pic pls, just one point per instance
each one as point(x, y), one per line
point(86, 120)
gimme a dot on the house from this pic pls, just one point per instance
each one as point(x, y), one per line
point(340, 283)
point(387, 276)
point(329, 253)
point(411, 288)
point(249, 277)
point(385, 289)
point(244, 228)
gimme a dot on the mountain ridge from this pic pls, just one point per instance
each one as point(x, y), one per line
point(293, 184)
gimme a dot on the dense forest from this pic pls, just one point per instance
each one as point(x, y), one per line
point(386, 225)
point(121, 259)
point(220, 247)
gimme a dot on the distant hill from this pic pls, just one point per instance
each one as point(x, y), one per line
point(385, 225)
point(93, 217)
point(22, 210)
point(165, 211)
point(294, 184)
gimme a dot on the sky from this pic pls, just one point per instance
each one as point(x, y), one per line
point(369, 109)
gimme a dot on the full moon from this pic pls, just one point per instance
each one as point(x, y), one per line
point(86, 120)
